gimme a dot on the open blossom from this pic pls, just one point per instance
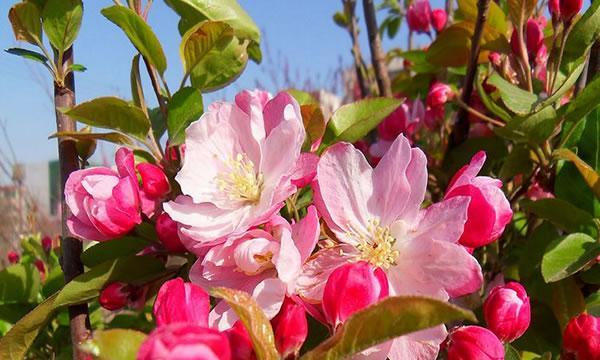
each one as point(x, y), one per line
point(489, 210)
point(418, 16)
point(377, 218)
point(104, 203)
point(180, 302)
point(507, 311)
point(237, 167)
point(473, 343)
point(264, 262)
point(581, 338)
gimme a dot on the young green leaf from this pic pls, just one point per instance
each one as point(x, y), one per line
point(563, 214)
point(392, 317)
point(19, 283)
point(584, 34)
point(28, 54)
point(201, 39)
point(517, 100)
point(314, 124)
point(567, 301)
point(77, 67)
point(568, 255)
point(510, 353)
point(115, 344)
point(112, 113)
point(496, 18)
point(220, 66)
point(591, 177)
point(254, 320)
point(61, 21)
point(534, 128)
point(25, 19)
point(184, 108)
point(139, 33)
point(113, 137)
point(113, 249)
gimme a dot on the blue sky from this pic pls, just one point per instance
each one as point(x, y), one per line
point(302, 31)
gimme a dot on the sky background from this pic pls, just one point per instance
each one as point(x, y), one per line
point(301, 32)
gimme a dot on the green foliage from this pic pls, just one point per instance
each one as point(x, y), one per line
point(583, 35)
point(198, 41)
point(496, 18)
point(25, 19)
point(392, 317)
point(568, 255)
point(19, 283)
point(28, 54)
point(115, 344)
point(567, 301)
point(112, 250)
point(61, 21)
point(517, 100)
point(222, 65)
point(113, 137)
point(184, 108)
point(563, 214)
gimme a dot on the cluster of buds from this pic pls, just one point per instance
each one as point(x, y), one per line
point(421, 18)
point(564, 10)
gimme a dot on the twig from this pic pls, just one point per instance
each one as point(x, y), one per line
point(349, 7)
point(156, 87)
point(478, 114)
point(377, 55)
point(449, 11)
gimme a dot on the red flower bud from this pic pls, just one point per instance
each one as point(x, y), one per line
point(13, 257)
point(47, 243)
point(241, 344)
point(554, 8)
point(290, 327)
point(495, 58)
point(350, 288)
point(418, 16)
point(473, 343)
point(439, 19)
point(178, 301)
point(167, 232)
point(439, 94)
point(154, 180)
point(507, 311)
point(581, 339)
point(39, 264)
point(114, 296)
point(534, 39)
point(569, 8)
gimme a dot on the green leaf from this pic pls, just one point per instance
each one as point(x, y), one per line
point(28, 54)
point(489, 103)
point(583, 35)
point(566, 85)
point(302, 97)
point(495, 17)
point(516, 99)
point(254, 52)
point(586, 101)
point(450, 48)
point(201, 39)
point(520, 10)
point(535, 128)
point(531, 254)
point(543, 333)
point(340, 19)
point(61, 20)
point(25, 19)
point(351, 122)
point(563, 214)
point(184, 108)
point(568, 255)
point(592, 304)
point(592, 275)
point(517, 162)
point(112, 113)
point(227, 11)
point(113, 137)
point(139, 33)
point(115, 344)
point(314, 124)
point(254, 319)
point(19, 284)
point(567, 301)
point(135, 80)
point(77, 67)
point(113, 249)
point(418, 60)
point(510, 353)
point(591, 177)
point(392, 317)
point(220, 66)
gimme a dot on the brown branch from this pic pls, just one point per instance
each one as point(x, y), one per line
point(449, 11)
point(461, 127)
point(64, 97)
point(377, 54)
point(349, 7)
point(156, 87)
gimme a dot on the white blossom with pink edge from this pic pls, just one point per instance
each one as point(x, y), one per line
point(237, 168)
point(376, 215)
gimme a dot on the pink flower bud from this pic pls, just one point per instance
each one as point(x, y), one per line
point(154, 180)
point(13, 257)
point(167, 232)
point(507, 311)
point(473, 343)
point(177, 301)
point(114, 296)
point(534, 39)
point(439, 19)
point(537, 192)
point(290, 327)
point(581, 339)
point(418, 16)
point(185, 341)
point(569, 8)
point(495, 58)
point(241, 344)
point(439, 94)
point(350, 288)
point(489, 211)
point(47, 243)
point(554, 9)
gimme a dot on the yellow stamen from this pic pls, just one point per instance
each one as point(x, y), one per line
point(241, 183)
point(376, 246)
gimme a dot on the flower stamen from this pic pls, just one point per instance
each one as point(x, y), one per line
point(241, 182)
point(376, 246)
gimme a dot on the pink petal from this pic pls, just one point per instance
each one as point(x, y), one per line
point(420, 345)
point(306, 233)
point(306, 169)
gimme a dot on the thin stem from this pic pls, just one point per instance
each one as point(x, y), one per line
point(478, 114)
point(156, 88)
point(185, 77)
point(560, 55)
point(377, 54)
point(524, 56)
point(349, 9)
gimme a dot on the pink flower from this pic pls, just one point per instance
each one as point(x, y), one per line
point(290, 328)
point(537, 192)
point(439, 94)
point(154, 181)
point(185, 342)
point(306, 169)
point(166, 229)
point(178, 301)
point(569, 8)
point(114, 296)
point(263, 262)
point(376, 216)
point(13, 257)
point(507, 311)
point(473, 343)
point(489, 210)
point(241, 344)
point(352, 287)
point(533, 37)
point(554, 9)
point(418, 16)
point(439, 19)
point(581, 338)
point(248, 151)
point(104, 203)
point(47, 243)
point(495, 58)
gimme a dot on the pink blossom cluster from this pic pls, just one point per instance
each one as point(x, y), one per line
point(420, 17)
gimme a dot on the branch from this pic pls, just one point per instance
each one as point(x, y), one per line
point(156, 87)
point(461, 127)
point(64, 97)
point(349, 7)
point(377, 55)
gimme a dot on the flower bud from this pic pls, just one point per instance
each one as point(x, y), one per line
point(350, 288)
point(495, 58)
point(177, 301)
point(581, 339)
point(39, 264)
point(534, 39)
point(13, 257)
point(154, 180)
point(290, 327)
point(507, 311)
point(473, 343)
point(439, 19)
point(439, 94)
point(185, 341)
point(241, 344)
point(418, 16)
point(47, 243)
point(114, 296)
point(554, 9)
point(167, 232)
point(569, 8)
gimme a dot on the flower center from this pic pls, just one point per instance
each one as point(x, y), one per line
point(241, 182)
point(376, 246)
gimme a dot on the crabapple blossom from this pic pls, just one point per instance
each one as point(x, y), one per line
point(13, 257)
point(166, 229)
point(473, 343)
point(581, 338)
point(248, 152)
point(114, 296)
point(569, 8)
point(507, 311)
point(240, 342)
point(154, 181)
point(533, 37)
point(439, 19)
point(290, 327)
point(418, 16)
point(47, 243)
point(178, 301)
point(439, 94)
